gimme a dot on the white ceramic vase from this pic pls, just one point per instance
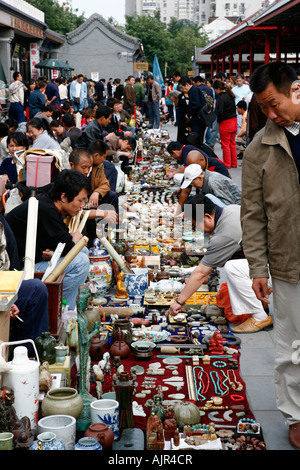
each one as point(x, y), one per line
point(120, 179)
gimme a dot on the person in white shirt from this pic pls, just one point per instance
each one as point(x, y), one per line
point(16, 98)
point(63, 91)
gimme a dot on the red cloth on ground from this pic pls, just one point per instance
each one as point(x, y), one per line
point(228, 399)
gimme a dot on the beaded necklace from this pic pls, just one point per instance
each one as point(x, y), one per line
point(222, 389)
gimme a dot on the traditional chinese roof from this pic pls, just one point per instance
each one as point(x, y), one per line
point(97, 21)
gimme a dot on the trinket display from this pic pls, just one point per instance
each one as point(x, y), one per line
point(133, 366)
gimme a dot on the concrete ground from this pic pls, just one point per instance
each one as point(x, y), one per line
point(257, 364)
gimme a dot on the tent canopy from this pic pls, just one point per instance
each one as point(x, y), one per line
point(53, 64)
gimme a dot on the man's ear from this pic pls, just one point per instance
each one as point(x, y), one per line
point(63, 197)
point(295, 92)
point(72, 165)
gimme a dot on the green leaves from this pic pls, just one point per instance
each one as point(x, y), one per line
point(57, 18)
point(173, 44)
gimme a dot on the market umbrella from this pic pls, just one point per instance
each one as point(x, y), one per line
point(54, 64)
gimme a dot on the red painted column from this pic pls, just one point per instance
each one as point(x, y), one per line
point(240, 60)
point(267, 48)
point(223, 63)
point(230, 62)
point(251, 62)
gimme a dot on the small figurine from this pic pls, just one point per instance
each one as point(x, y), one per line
point(45, 378)
point(121, 289)
point(99, 390)
point(107, 366)
point(216, 343)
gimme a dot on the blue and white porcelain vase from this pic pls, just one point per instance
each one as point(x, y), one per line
point(88, 443)
point(136, 283)
point(47, 441)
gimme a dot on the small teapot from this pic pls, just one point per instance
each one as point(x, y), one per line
point(119, 347)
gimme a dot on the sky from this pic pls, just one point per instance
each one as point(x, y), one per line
point(106, 8)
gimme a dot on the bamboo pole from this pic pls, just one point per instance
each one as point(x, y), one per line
point(67, 260)
point(110, 249)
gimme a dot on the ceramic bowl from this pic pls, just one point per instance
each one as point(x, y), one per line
point(143, 345)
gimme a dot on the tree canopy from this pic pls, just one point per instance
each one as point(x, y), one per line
point(58, 18)
point(173, 44)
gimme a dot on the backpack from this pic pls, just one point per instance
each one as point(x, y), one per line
point(208, 99)
point(206, 113)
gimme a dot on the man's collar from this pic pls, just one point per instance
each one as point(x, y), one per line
point(294, 128)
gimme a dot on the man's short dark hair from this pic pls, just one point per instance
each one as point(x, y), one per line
point(279, 73)
point(15, 75)
point(70, 182)
point(98, 146)
point(68, 119)
point(220, 76)
point(242, 105)
point(185, 80)
point(209, 206)
point(4, 129)
point(199, 79)
point(47, 107)
point(112, 101)
point(176, 74)
point(55, 123)
point(76, 155)
point(131, 141)
point(173, 146)
point(66, 106)
point(12, 123)
point(103, 111)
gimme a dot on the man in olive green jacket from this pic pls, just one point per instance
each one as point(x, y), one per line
point(270, 217)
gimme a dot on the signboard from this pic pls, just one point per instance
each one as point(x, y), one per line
point(191, 72)
point(95, 76)
point(141, 66)
point(54, 74)
point(21, 25)
point(34, 59)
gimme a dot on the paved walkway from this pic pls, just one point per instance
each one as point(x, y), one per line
point(257, 365)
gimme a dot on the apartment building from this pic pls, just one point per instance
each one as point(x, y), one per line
point(198, 11)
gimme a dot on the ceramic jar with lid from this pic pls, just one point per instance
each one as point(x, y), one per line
point(102, 433)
